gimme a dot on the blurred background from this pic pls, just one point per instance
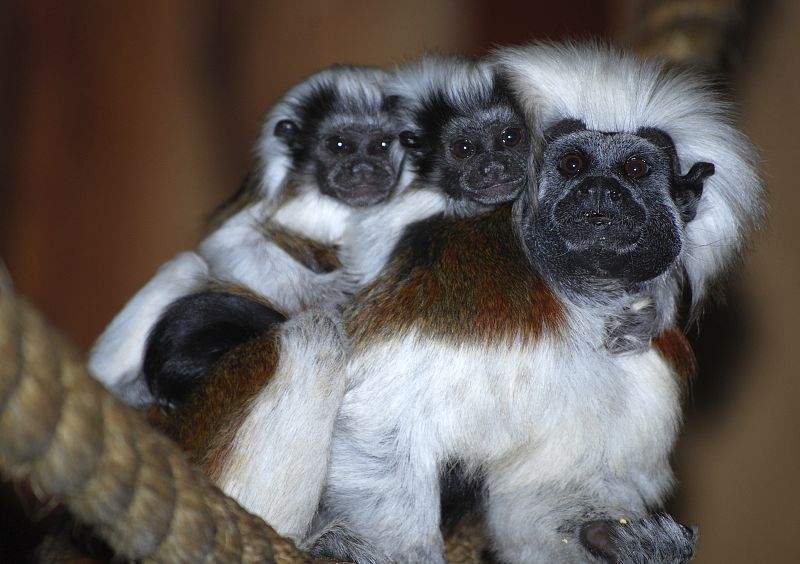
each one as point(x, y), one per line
point(123, 124)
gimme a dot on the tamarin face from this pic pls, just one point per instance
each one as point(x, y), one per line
point(679, 121)
point(342, 139)
point(612, 205)
point(468, 136)
point(483, 156)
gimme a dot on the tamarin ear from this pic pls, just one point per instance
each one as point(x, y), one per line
point(688, 188)
point(194, 332)
point(411, 140)
point(286, 129)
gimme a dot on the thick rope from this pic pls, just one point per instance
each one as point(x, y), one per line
point(77, 444)
point(701, 33)
point(62, 431)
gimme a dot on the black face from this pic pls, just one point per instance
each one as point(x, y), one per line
point(344, 147)
point(485, 159)
point(612, 205)
point(479, 154)
point(354, 164)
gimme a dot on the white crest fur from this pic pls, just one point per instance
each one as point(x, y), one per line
point(610, 90)
point(460, 79)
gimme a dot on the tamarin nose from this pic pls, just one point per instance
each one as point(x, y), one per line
point(362, 170)
point(598, 200)
point(598, 193)
point(494, 168)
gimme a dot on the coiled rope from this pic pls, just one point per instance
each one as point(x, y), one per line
point(73, 441)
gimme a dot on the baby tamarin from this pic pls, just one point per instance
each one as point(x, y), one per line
point(328, 148)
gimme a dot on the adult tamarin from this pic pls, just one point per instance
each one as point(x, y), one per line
point(483, 345)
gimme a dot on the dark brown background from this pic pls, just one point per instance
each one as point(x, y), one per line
point(123, 124)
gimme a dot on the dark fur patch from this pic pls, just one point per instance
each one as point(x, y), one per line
point(194, 332)
point(430, 119)
point(563, 127)
point(340, 543)
point(461, 496)
point(389, 104)
point(311, 254)
point(673, 346)
point(461, 280)
point(317, 105)
point(663, 141)
point(652, 539)
point(206, 423)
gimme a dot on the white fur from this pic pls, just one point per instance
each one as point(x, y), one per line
point(278, 460)
point(237, 252)
point(552, 424)
point(116, 357)
point(459, 78)
point(373, 234)
point(610, 90)
point(556, 426)
point(240, 252)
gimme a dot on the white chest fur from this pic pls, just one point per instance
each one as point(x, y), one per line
point(558, 433)
point(374, 232)
point(575, 415)
point(241, 252)
point(315, 216)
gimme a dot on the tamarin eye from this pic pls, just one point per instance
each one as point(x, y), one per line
point(463, 148)
point(382, 145)
point(510, 136)
point(339, 145)
point(636, 167)
point(571, 164)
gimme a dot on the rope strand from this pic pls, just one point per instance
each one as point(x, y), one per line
point(61, 430)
